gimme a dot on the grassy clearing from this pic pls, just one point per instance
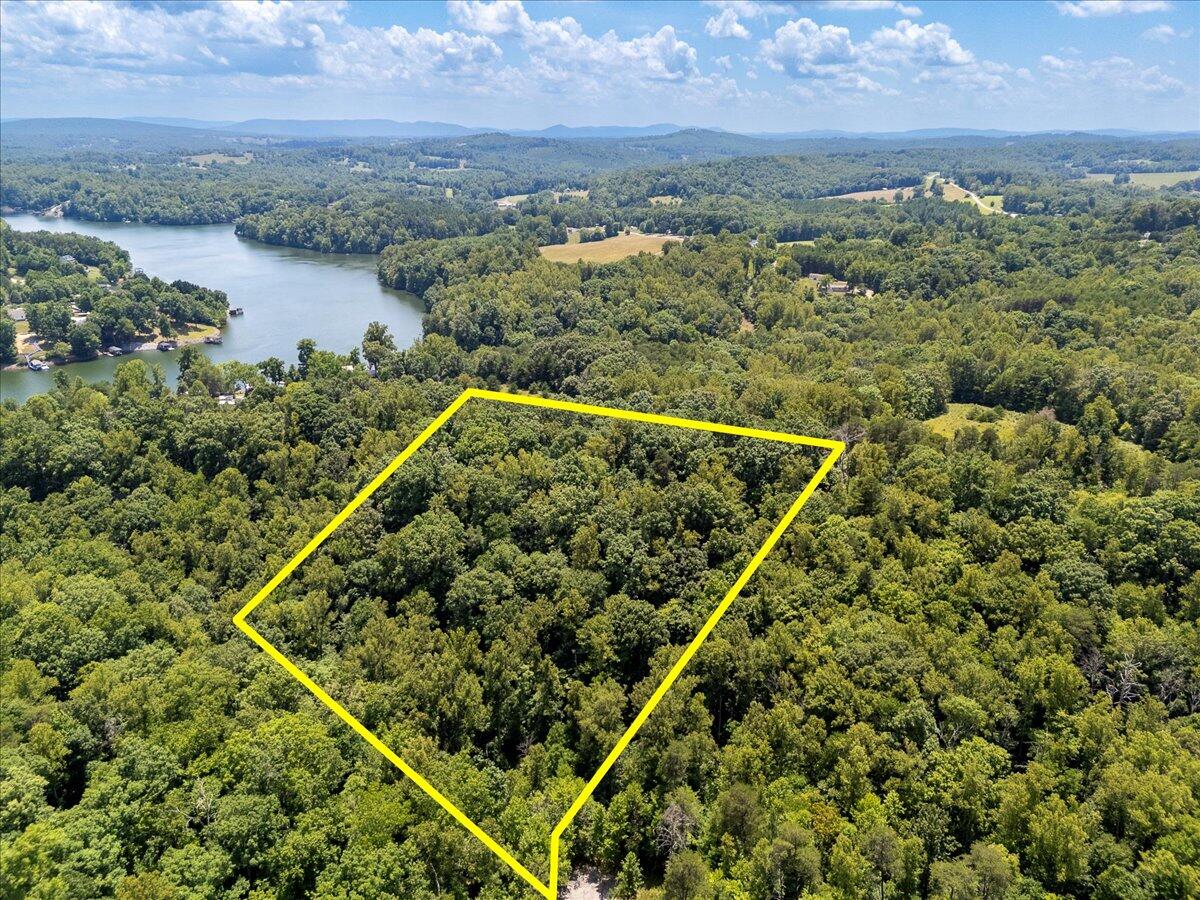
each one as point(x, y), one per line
point(1147, 179)
point(25, 341)
point(193, 331)
point(963, 415)
point(888, 195)
point(216, 159)
point(993, 201)
point(955, 194)
point(559, 197)
point(665, 200)
point(609, 249)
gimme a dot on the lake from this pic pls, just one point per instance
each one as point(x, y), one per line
point(288, 295)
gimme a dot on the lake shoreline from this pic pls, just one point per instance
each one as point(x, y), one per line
point(127, 349)
point(289, 294)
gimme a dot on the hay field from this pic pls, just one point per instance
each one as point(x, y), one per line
point(955, 194)
point(1147, 179)
point(608, 250)
point(885, 194)
point(207, 159)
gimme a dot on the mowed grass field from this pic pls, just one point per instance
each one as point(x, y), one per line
point(608, 250)
point(1147, 179)
point(885, 194)
point(955, 194)
point(206, 159)
point(559, 196)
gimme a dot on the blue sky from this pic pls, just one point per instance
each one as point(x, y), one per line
point(742, 65)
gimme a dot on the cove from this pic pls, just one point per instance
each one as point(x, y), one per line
point(287, 295)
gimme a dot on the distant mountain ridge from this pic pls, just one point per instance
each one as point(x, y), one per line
point(186, 131)
point(314, 128)
point(596, 131)
point(178, 122)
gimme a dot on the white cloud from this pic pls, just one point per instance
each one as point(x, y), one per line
point(750, 9)
point(282, 42)
point(808, 51)
point(983, 75)
point(560, 50)
point(1087, 9)
point(493, 19)
point(1112, 75)
point(724, 63)
point(1164, 34)
point(726, 25)
point(804, 49)
point(399, 54)
point(903, 9)
point(919, 45)
point(268, 38)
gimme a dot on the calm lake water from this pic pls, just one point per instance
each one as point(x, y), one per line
point(287, 294)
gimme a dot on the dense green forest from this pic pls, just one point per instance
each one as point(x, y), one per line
point(970, 669)
point(355, 197)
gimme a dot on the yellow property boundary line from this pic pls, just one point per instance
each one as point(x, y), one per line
point(550, 891)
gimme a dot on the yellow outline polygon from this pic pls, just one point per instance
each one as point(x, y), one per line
point(549, 891)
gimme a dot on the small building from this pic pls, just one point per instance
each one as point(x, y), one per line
point(68, 259)
point(827, 284)
point(226, 400)
point(17, 313)
point(168, 345)
point(236, 311)
point(115, 351)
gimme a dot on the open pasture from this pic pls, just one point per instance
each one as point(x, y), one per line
point(608, 250)
point(888, 195)
point(1147, 179)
